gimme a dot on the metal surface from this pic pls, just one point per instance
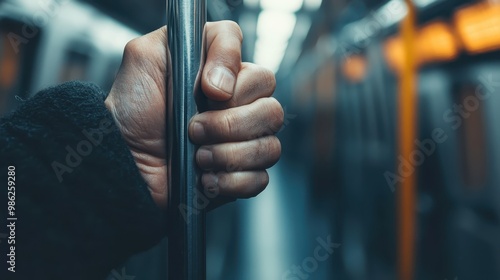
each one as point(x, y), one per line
point(186, 21)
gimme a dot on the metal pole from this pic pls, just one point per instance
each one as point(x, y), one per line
point(186, 243)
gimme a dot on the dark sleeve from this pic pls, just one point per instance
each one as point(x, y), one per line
point(81, 205)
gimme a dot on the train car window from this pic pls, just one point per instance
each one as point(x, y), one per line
point(394, 53)
point(436, 42)
point(478, 27)
point(17, 55)
point(75, 66)
point(472, 139)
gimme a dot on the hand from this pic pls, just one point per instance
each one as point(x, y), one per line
point(235, 127)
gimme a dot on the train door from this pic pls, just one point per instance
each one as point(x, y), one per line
point(476, 221)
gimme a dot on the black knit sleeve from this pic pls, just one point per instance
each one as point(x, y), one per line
point(79, 206)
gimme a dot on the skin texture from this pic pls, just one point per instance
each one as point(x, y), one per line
point(235, 126)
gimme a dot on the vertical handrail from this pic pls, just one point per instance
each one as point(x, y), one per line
point(407, 135)
point(186, 253)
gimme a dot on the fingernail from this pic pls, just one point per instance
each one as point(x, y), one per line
point(210, 182)
point(222, 79)
point(205, 158)
point(198, 131)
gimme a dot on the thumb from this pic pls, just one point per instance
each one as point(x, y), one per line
point(223, 62)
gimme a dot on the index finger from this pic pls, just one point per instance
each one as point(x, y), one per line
point(223, 62)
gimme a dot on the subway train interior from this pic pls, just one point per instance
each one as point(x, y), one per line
point(390, 164)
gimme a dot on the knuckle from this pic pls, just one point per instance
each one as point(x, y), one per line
point(263, 78)
point(274, 149)
point(234, 29)
point(224, 180)
point(229, 124)
point(262, 181)
point(259, 182)
point(133, 48)
point(276, 114)
point(231, 159)
point(260, 150)
point(268, 79)
point(265, 179)
point(268, 151)
point(163, 30)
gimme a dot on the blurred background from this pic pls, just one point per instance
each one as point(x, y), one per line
point(391, 143)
